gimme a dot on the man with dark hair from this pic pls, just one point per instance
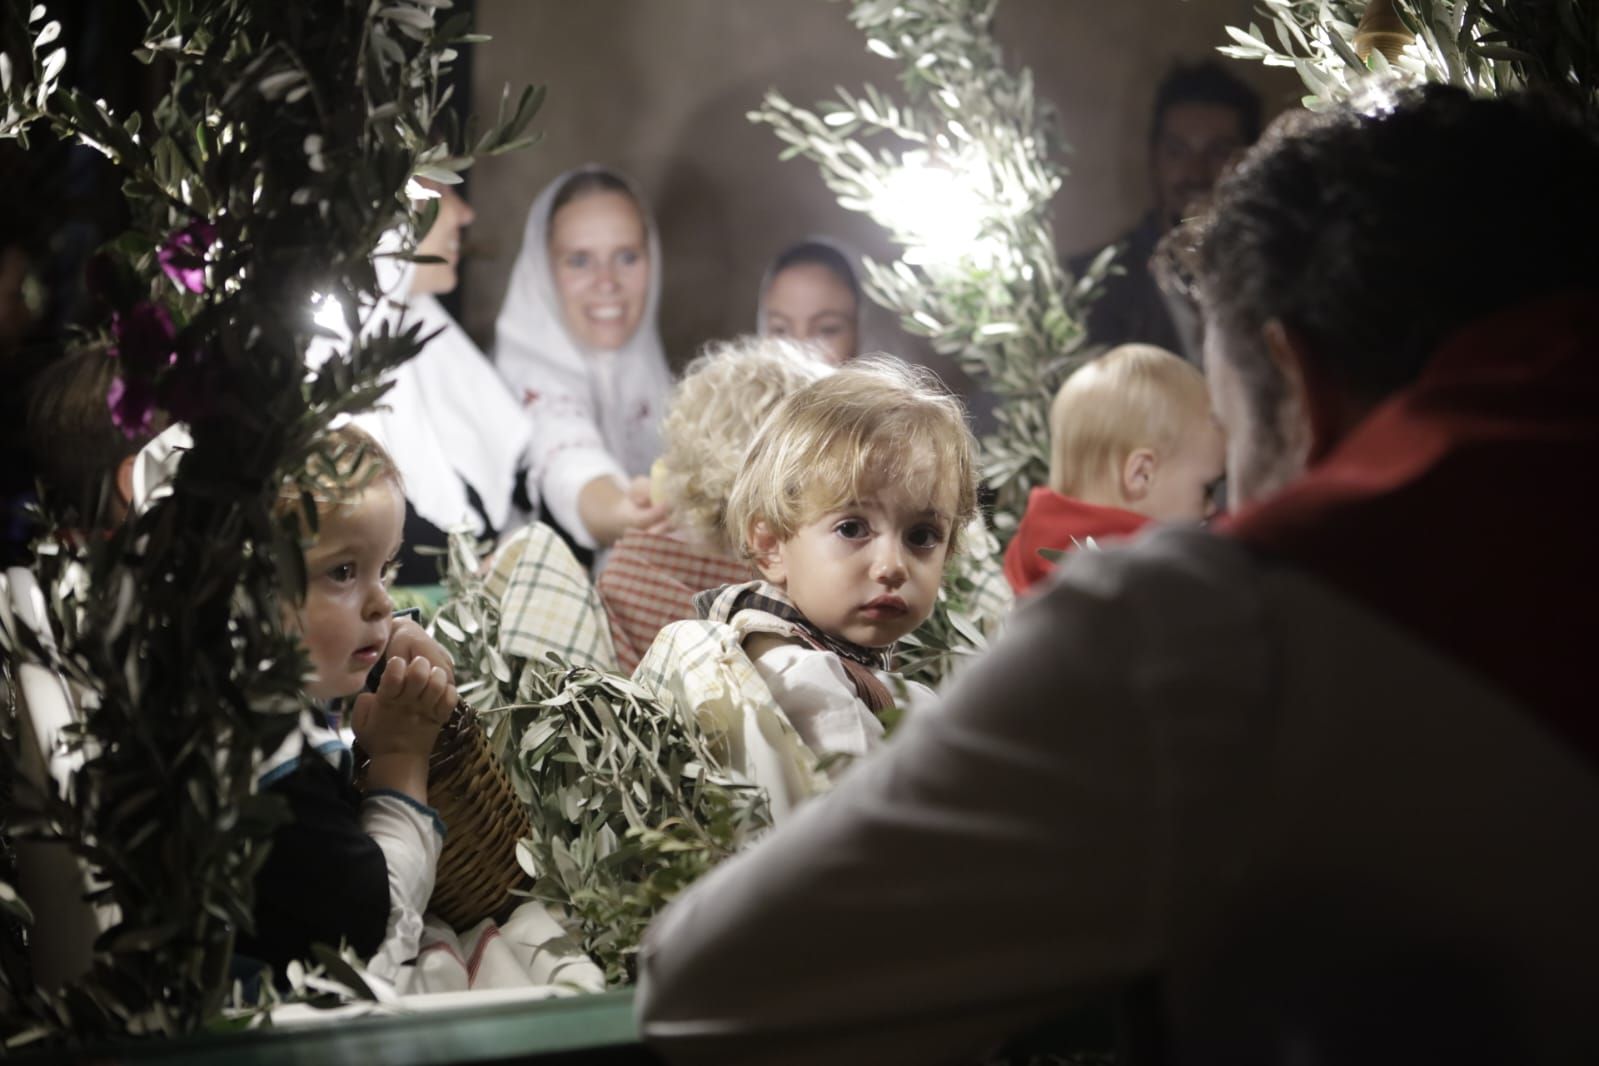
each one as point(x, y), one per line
point(1202, 118)
point(1325, 779)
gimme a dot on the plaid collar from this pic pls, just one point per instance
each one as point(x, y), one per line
point(721, 604)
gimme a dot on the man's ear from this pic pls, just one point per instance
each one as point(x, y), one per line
point(1319, 409)
point(1138, 475)
point(767, 548)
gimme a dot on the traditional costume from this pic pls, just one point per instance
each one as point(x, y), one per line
point(348, 867)
point(459, 438)
point(832, 690)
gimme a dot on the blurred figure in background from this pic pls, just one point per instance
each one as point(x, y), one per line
point(1203, 118)
point(725, 395)
point(812, 293)
point(456, 433)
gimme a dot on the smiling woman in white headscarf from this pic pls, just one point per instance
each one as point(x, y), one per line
point(577, 341)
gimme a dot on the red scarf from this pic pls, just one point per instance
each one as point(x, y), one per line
point(1055, 522)
point(1459, 509)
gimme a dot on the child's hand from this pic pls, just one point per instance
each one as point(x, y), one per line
point(638, 491)
point(410, 641)
point(404, 715)
point(398, 724)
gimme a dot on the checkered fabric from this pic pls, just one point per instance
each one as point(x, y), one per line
point(700, 668)
point(547, 603)
point(649, 581)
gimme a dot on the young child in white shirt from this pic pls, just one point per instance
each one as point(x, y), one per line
point(353, 866)
point(851, 500)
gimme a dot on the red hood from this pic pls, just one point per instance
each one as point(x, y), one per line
point(1054, 521)
point(1459, 508)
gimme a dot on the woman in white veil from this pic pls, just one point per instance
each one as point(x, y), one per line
point(577, 342)
point(457, 434)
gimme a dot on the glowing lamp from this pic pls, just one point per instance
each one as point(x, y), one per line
point(938, 211)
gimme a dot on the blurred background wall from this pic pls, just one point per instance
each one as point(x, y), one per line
point(659, 88)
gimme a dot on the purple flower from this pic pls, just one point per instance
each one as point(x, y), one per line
point(182, 258)
point(143, 340)
point(132, 403)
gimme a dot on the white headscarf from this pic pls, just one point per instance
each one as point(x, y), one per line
point(448, 421)
point(595, 413)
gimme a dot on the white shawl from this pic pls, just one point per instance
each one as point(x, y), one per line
point(448, 420)
point(595, 413)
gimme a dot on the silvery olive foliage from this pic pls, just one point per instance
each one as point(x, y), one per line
point(628, 802)
point(961, 173)
point(1484, 46)
point(280, 151)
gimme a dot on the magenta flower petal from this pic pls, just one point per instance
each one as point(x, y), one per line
point(132, 404)
point(182, 258)
point(143, 340)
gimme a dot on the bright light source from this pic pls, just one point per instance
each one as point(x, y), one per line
point(937, 211)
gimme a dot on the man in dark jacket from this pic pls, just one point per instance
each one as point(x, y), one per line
point(1203, 118)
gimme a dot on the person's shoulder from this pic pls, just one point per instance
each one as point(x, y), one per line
point(1167, 595)
point(1164, 562)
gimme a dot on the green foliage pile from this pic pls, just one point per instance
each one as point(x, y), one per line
point(279, 153)
point(629, 804)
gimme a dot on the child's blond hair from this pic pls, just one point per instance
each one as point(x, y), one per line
point(725, 395)
point(1134, 396)
point(345, 460)
point(875, 422)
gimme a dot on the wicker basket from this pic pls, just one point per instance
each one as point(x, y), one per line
point(477, 870)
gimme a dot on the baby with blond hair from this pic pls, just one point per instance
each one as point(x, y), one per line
point(725, 394)
point(849, 502)
point(1132, 441)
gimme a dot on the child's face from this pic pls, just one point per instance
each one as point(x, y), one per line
point(1181, 487)
point(867, 572)
point(347, 614)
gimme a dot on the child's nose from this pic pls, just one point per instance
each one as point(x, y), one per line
point(889, 565)
point(378, 603)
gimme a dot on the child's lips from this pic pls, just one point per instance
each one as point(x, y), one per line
point(369, 655)
point(885, 607)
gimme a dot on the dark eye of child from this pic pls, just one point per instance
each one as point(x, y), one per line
point(343, 572)
point(852, 528)
point(926, 537)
